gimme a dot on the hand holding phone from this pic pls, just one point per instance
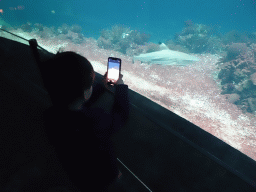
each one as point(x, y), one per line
point(107, 81)
point(108, 85)
point(113, 75)
point(120, 80)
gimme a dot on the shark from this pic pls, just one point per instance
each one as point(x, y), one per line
point(165, 56)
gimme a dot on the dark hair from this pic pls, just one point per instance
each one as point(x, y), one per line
point(66, 76)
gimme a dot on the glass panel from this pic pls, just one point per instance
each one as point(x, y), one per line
point(195, 58)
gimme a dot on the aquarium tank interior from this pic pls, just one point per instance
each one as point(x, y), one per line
point(194, 58)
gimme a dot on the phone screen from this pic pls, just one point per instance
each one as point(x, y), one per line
point(114, 68)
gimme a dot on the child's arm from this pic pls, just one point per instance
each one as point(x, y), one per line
point(97, 91)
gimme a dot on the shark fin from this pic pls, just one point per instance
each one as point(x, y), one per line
point(163, 47)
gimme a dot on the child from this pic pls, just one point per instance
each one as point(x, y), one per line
point(81, 135)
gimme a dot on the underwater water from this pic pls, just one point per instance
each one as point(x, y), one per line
point(215, 91)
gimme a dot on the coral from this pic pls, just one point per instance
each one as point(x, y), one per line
point(136, 50)
point(44, 32)
point(252, 104)
point(62, 37)
point(78, 40)
point(176, 47)
point(228, 88)
point(152, 47)
point(27, 27)
point(48, 32)
point(236, 37)
point(7, 28)
point(104, 43)
point(196, 38)
point(121, 38)
point(235, 50)
point(106, 34)
point(38, 26)
point(116, 37)
point(139, 38)
point(238, 75)
point(76, 28)
point(63, 29)
point(44, 35)
point(5, 25)
point(117, 33)
point(63, 32)
point(215, 45)
point(123, 45)
point(253, 78)
point(75, 37)
point(251, 37)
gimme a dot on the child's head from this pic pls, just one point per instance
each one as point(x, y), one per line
point(66, 77)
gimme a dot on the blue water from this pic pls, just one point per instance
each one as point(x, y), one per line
point(162, 19)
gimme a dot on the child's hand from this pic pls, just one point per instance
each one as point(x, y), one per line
point(105, 81)
point(118, 82)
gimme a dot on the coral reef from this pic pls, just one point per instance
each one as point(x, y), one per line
point(48, 33)
point(121, 39)
point(73, 33)
point(27, 27)
point(238, 37)
point(63, 29)
point(63, 32)
point(176, 47)
point(198, 38)
point(38, 27)
point(238, 76)
point(4, 25)
point(236, 50)
point(76, 29)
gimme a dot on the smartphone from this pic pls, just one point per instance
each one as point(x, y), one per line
point(114, 69)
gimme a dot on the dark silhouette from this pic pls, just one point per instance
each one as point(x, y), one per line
point(81, 138)
point(66, 76)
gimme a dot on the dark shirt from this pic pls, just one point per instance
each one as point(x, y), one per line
point(82, 138)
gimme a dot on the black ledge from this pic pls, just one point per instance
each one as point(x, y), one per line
point(220, 152)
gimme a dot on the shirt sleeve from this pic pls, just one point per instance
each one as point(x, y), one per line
point(97, 91)
point(105, 124)
point(121, 108)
